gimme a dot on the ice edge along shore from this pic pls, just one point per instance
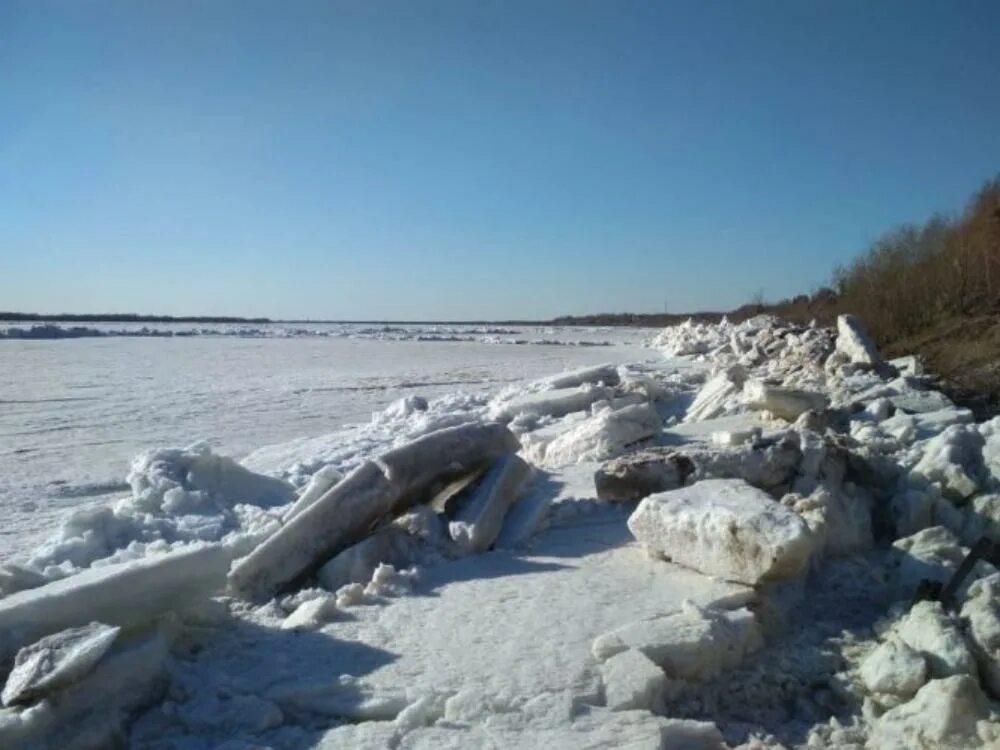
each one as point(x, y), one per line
point(714, 551)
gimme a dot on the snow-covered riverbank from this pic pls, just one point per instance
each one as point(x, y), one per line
point(706, 552)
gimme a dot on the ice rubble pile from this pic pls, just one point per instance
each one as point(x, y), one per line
point(795, 465)
point(727, 528)
point(178, 497)
point(82, 653)
point(871, 452)
point(190, 491)
point(377, 490)
point(118, 589)
point(766, 344)
point(926, 680)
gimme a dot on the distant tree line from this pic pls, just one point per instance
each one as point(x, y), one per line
point(931, 289)
point(124, 318)
point(918, 275)
point(913, 278)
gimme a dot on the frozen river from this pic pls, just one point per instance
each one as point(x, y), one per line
point(74, 412)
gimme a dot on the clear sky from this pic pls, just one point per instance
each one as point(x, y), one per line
point(467, 159)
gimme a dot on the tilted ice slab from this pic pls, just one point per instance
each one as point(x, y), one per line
point(719, 395)
point(909, 428)
point(372, 494)
point(724, 527)
point(57, 660)
point(123, 594)
point(318, 485)
point(480, 519)
point(390, 545)
point(554, 403)
point(786, 403)
point(909, 394)
point(92, 712)
point(632, 681)
point(549, 496)
point(606, 374)
point(606, 434)
point(854, 343)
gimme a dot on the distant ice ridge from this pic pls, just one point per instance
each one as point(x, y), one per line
point(544, 336)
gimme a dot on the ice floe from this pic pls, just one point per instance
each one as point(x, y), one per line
point(726, 528)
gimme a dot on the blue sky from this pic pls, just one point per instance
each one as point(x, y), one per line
point(449, 160)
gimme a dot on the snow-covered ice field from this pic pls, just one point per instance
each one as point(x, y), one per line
point(706, 539)
point(74, 412)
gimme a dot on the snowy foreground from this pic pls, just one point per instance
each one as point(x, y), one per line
point(714, 551)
